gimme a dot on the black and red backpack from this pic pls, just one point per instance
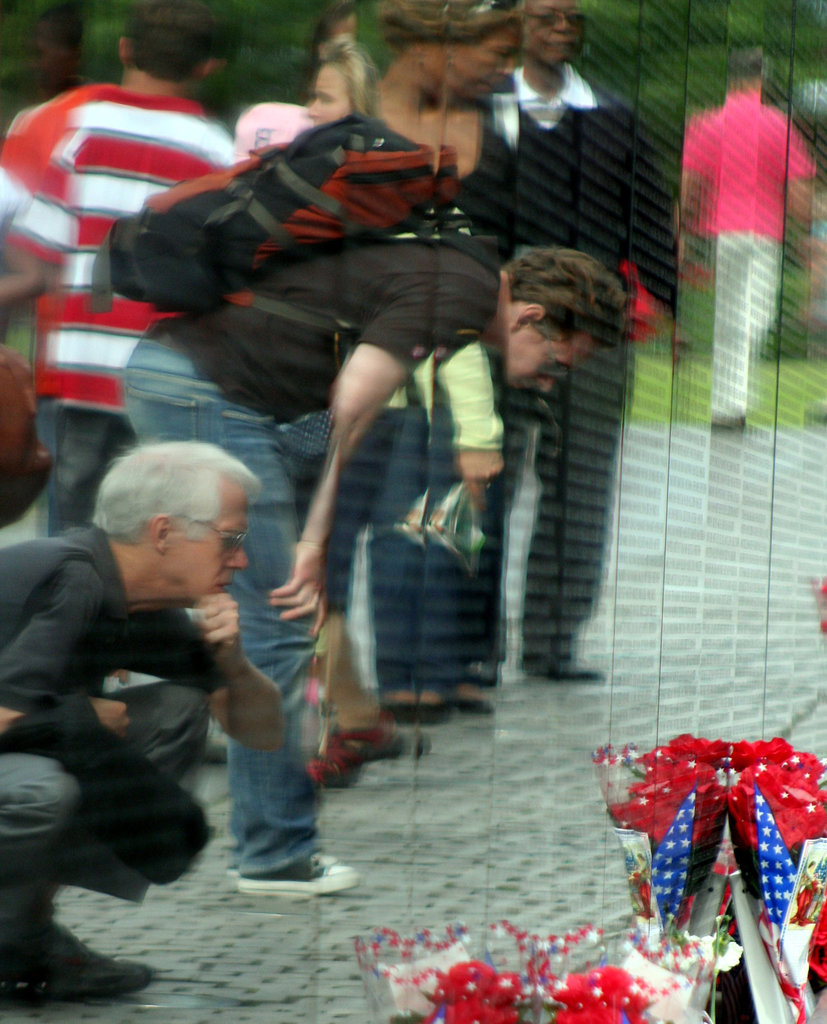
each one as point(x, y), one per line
point(205, 239)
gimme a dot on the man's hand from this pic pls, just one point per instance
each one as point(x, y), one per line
point(112, 714)
point(217, 619)
point(8, 718)
point(478, 467)
point(304, 593)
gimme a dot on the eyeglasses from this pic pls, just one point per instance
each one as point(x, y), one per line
point(557, 19)
point(487, 6)
point(231, 541)
point(554, 336)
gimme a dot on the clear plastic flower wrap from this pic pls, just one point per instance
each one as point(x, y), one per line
point(401, 973)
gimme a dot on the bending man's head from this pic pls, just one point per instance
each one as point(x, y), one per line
point(561, 305)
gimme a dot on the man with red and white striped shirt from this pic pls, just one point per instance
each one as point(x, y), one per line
point(120, 145)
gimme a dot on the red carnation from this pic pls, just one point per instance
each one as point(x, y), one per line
point(599, 997)
point(690, 748)
point(474, 992)
point(745, 754)
point(653, 803)
point(798, 810)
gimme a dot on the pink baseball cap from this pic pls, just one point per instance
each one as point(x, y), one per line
point(268, 124)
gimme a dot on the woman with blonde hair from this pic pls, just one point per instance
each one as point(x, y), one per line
point(345, 83)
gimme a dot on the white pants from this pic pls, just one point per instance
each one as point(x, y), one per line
point(747, 275)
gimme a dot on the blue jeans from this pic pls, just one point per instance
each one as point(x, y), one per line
point(273, 819)
point(83, 443)
point(431, 620)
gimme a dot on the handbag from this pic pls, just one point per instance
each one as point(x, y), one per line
point(24, 460)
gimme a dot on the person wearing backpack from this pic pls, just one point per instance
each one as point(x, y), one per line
point(120, 145)
point(248, 379)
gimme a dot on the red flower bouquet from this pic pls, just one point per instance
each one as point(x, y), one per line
point(474, 993)
point(680, 803)
point(769, 794)
point(603, 996)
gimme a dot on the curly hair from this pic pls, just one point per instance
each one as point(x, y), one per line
point(577, 292)
point(406, 22)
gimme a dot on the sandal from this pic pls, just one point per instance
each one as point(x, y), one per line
point(409, 708)
point(471, 700)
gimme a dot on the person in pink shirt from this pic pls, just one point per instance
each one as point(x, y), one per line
point(745, 169)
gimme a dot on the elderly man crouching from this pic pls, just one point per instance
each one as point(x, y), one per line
point(89, 791)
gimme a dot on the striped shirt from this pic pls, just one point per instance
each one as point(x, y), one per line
point(119, 148)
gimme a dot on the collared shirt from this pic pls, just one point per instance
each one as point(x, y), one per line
point(64, 626)
point(574, 92)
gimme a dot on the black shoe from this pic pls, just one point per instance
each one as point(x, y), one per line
point(561, 670)
point(21, 976)
point(73, 971)
point(317, 875)
point(408, 709)
point(472, 706)
point(736, 422)
point(575, 673)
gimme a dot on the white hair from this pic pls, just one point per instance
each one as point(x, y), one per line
point(176, 478)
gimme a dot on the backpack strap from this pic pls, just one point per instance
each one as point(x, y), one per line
point(101, 286)
point(292, 311)
point(246, 201)
point(344, 332)
point(311, 195)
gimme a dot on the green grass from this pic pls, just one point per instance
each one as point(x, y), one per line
point(796, 387)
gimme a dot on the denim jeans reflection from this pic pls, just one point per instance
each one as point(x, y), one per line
point(273, 818)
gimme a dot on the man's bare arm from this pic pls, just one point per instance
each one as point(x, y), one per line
point(249, 707)
point(365, 383)
point(26, 277)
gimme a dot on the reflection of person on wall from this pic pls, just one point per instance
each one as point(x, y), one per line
point(744, 167)
point(571, 170)
point(808, 897)
point(117, 147)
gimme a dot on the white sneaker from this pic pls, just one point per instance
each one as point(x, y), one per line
point(319, 875)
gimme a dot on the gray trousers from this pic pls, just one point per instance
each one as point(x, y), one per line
point(41, 848)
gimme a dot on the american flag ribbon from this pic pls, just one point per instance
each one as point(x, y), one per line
point(670, 862)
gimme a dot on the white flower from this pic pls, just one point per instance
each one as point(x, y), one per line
point(728, 951)
point(729, 957)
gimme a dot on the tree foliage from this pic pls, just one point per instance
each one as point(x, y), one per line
point(668, 57)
